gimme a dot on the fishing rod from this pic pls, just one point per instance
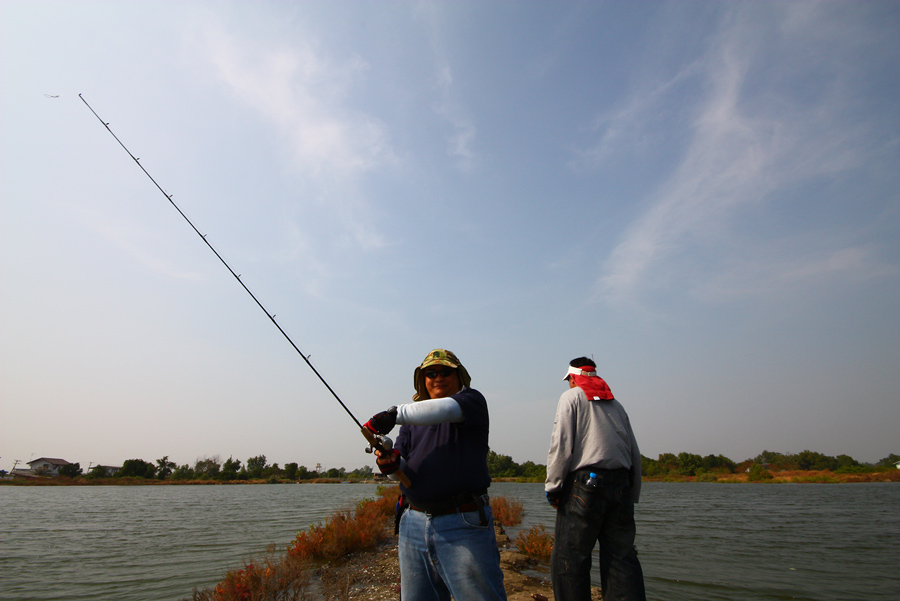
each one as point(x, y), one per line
point(380, 443)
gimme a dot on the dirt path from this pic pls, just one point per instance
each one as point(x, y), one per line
point(375, 576)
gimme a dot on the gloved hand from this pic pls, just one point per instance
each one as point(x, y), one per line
point(384, 422)
point(388, 462)
point(553, 499)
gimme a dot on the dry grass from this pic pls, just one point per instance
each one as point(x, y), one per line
point(508, 512)
point(288, 577)
point(535, 542)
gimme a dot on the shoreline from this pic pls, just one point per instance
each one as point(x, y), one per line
point(784, 477)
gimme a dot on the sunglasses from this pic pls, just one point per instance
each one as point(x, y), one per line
point(446, 372)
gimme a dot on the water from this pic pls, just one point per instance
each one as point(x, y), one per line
point(760, 542)
point(147, 543)
point(746, 542)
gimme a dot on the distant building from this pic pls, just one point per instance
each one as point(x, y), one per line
point(46, 465)
point(897, 464)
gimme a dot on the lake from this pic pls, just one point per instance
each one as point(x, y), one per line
point(696, 541)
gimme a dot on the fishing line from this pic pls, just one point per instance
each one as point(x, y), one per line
point(236, 275)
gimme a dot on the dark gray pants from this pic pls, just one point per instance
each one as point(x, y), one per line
point(588, 516)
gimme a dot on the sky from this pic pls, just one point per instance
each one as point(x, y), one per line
point(702, 196)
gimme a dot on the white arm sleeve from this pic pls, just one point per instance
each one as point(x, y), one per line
point(430, 412)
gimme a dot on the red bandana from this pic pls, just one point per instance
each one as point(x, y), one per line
point(595, 388)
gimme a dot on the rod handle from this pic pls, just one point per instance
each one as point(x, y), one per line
point(374, 442)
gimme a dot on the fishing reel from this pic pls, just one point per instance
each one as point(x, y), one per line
point(383, 442)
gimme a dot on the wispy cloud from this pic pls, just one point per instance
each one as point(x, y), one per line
point(302, 92)
point(748, 140)
point(459, 145)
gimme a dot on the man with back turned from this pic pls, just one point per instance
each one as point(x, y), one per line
point(593, 481)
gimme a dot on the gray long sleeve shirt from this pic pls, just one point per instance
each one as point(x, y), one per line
point(591, 434)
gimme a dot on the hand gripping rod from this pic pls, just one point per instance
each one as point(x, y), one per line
point(374, 440)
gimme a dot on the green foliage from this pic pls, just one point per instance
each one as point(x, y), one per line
point(183, 472)
point(207, 468)
point(164, 467)
point(256, 466)
point(759, 474)
point(686, 464)
point(137, 468)
point(889, 461)
point(98, 471)
point(72, 470)
point(230, 469)
point(292, 471)
point(503, 466)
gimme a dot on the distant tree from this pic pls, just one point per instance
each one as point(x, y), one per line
point(183, 472)
point(291, 471)
point(533, 471)
point(689, 463)
point(207, 468)
point(164, 467)
point(98, 471)
point(362, 473)
point(718, 463)
point(136, 468)
point(810, 460)
point(230, 469)
point(256, 466)
point(667, 462)
point(889, 461)
point(758, 473)
point(305, 474)
point(272, 471)
point(72, 470)
point(336, 473)
point(500, 466)
point(846, 463)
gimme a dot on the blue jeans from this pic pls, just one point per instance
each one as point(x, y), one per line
point(588, 516)
point(449, 555)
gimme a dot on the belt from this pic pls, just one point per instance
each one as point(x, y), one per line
point(457, 509)
point(461, 503)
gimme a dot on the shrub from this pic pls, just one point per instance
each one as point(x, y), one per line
point(507, 511)
point(345, 531)
point(284, 579)
point(759, 474)
point(535, 542)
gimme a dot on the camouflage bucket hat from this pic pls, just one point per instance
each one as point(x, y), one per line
point(438, 356)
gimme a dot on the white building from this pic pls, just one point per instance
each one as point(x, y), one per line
point(46, 465)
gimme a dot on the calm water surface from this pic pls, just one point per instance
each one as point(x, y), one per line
point(697, 541)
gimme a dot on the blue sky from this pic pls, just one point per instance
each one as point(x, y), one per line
point(704, 196)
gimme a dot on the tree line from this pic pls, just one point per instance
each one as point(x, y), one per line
point(689, 464)
point(213, 468)
point(499, 466)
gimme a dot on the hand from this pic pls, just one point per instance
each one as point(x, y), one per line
point(388, 462)
point(384, 422)
point(553, 499)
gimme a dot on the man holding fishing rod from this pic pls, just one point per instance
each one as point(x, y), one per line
point(447, 545)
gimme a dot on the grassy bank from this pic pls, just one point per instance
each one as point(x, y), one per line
point(352, 555)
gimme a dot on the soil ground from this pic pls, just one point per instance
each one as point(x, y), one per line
point(375, 576)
